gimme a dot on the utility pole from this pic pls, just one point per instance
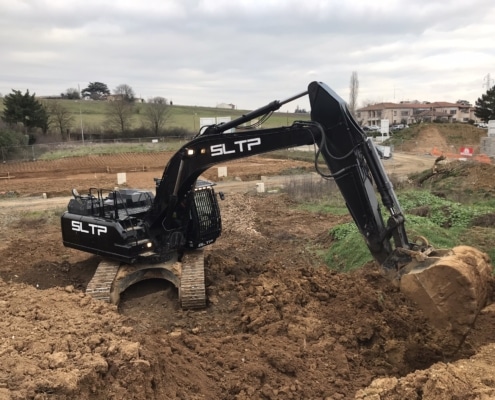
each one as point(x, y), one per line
point(80, 113)
point(487, 82)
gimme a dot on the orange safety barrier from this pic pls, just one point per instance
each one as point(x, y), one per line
point(482, 158)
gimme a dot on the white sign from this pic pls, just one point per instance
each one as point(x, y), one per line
point(491, 128)
point(203, 122)
point(384, 127)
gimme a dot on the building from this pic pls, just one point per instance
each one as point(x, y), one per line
point(414, 112)
point(228, 106)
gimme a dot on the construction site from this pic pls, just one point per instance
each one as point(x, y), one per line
point(278, 324)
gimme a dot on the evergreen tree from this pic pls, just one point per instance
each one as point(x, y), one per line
point(96, 90)
point(485, 106)
point(25, 109)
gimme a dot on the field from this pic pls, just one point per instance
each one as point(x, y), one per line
point(279, 323)
point(93, 115)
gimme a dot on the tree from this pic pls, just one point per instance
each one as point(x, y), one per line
point(485, 106)
point(353, 95)
point(120, 114)
point(60, 117)
point(125, 91)
point(72, 94)
point(25, 109)
point(156, 114)
point(96, 90)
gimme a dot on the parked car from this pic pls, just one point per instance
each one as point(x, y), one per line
point(398, 127)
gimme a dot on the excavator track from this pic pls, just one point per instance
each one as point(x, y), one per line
point(100, 286)
point(112, 278)
point(192, 291)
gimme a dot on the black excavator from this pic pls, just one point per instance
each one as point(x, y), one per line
point(142, 235)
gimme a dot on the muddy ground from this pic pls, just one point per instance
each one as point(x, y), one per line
point(278, 325)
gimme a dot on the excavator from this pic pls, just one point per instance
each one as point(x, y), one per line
point(141, 235)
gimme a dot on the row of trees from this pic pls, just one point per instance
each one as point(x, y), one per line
point(27, 115)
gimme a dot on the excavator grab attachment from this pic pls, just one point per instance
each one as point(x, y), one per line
point(450, 286)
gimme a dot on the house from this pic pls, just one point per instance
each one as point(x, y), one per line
point(115, 97)
point(415, 111)
point(229, 106)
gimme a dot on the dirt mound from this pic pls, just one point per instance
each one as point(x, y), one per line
point(458, 180)
point(279, 325)
point(445, 138)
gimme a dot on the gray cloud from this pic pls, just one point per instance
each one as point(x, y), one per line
point(249, 52)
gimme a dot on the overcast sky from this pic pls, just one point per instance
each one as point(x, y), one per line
point(250, 52)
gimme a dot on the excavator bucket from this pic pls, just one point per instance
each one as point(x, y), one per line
point(451, 287)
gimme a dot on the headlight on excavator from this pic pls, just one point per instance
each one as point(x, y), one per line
point(190, 152)
point(149, 245)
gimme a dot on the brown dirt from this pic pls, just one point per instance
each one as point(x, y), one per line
point(279, 325)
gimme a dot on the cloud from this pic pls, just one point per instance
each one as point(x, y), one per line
point(249, 52)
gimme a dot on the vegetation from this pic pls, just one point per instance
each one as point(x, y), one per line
point(485, 106)
point(24, 109)
point(96, 90)
point(111, 148)
point(90, 118)
point(444, 222)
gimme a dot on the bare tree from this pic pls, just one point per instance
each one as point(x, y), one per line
point(120, 115)
point(60, 117)
point(72, 94)
point(125, 91)
point(156, 114)
point(353, 95)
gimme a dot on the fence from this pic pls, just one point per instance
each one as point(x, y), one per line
point(72, 148)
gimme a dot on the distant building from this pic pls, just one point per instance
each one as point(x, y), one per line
point(415, 111)
point(115, 97)
point(227, 106)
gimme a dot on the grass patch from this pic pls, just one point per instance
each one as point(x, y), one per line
point(78, 150)
point(94, 115)
point(444, 223)
point(37, 218)
point(315, 193)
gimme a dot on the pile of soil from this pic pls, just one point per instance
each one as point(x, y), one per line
point(279, 324)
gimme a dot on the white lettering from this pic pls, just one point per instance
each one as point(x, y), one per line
point(98, 229)
point(253, 142)
point(219, 149)
point(77, 226)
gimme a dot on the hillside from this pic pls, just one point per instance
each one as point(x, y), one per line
point(93, 115)
point(446, 138)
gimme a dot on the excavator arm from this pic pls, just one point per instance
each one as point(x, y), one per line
point(351, 158)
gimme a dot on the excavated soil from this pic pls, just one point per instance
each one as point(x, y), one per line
point(278, 325)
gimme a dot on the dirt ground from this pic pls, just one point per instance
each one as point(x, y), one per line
point(278, 325)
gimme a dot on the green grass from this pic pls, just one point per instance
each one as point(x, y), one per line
point(448, 224)
point(94, 115)
point(110, 148)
